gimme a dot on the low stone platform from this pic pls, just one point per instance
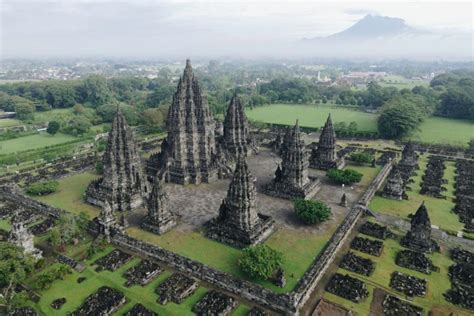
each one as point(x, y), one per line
point(284, 191)
point(229, 235)
point(143, 273)
point(393, 306)
point(113, 260)
point(414, 260)
point(104, 302)
point(408, 284)
point(140, 310)
point(215, 303)
point(176, 289)
point(357, 264)
point(164, 226)
point(369, 246)
point(347, 287)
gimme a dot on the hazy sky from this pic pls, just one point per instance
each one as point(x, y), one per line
point(142, 28)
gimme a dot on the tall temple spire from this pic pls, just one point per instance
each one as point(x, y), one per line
point(160, 219)
point(192, 148)
point(122, 181)
point(419, 235)
point(293, 180)
point(395, 186)
point(324, 157)
point(236, 128)
point(238, 222)
point(22, 237)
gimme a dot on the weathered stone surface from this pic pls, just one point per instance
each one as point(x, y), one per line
point(106, 223)
point(215, 303)
point(372, 247)
point(462, 256)
point(104, 302)
point(357, 264)
point(395, 186)
point(22, 311)
point(123, 182)
point(433, 177)
point(237, 138)
point(238, 223)
point(465, 193)
point(143, 273)
point(160, 219)
point(176, 288)
point(414, 260)
point(113, 260)
point(393, 306)
point(140, 310)
point(408, 284)
point(462, 285)
point(376, 230)
point(58, 303)
point(43, 227)
point(76, 265)
point(256, 311)
point(292, 180)
point(190, 155)
point(347, 287)
point(21, 237)
point(324, 157)
point(419, 236)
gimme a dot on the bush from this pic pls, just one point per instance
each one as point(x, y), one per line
point(362, 157)
point(346, 176)
point(43, 188)
point(260, 262)
point(311, 212)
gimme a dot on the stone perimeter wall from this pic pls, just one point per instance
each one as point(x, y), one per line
point(288, 303)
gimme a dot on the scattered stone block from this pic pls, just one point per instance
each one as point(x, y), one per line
point(58, 303)
point(376, 230)
point(140, 310)
point(23, 311)
point(113, 260)
point(393, 306)
point(462, 256)
point(408, 284)
point(143, 273)
point(104, 302)
point(357, 264)
point(176, 288)
point(215, 303)
point(81, 279)
point(372, 247)
point(414, 260)
point(347, 287)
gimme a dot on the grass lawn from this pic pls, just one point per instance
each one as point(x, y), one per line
point(9, 122)
point(312, 115)
point(401, 82)
point(53, 115)
point(440, 210)
point(5, 224)
point(33, 142)
point(299, 248)
point(76, 293)
point(438, 282)
point(70, 195)
point(369, 173)
point(445, 131)
point(432, 130)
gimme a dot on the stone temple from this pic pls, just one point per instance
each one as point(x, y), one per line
point(122, 182)
point(159, 219)
point(409, 162)
point(190, 153)
point(106, 222)
point(292, 180)
point(395, 186)
point(237, 139)
point(324, 156)
point(419, 235)
point(21, 237)
point(238, 223)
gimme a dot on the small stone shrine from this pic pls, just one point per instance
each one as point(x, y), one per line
point(393, 306)
point(324, 156)
point(419, 236)
point(122, 183)
point(292, 180)
point(159, 219)
point(107, 223)
point(215, 303)
point(408, 284)
point(395, 186)
point(238, 223)
point(176, 289)
point(21, 237)
point(347, 287)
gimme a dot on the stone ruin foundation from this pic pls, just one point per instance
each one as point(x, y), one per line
point(415, 261)
point(142, 274)
point(58, 303)
point(369, 246)
point(462, 285)
point(347, 287)
point(113, 261)
point(140, 310)
point(215, 303)
point(105, 301)
point(393, 306)
point(22, 311)
point(462, 256)
point(376, 230)
point(176, 289)
point(357, 264)
point(408, 284)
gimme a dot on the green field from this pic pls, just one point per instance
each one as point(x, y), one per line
point(33, 142)
point(70, 195)
point(312, 115)
point(440, 210)
point(9, 122)
point(401, 82)
point(438, 282)
point(432, 130)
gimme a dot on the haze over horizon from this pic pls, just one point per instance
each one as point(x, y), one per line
point(144, 29)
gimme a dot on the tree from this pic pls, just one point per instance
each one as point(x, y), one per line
point(260, 262)
point(95, 90)
point(43, 188)
point(24, 108)
point(362, 157)
point(77, 125)
point(346, 176)
point(153, 120)
point(311, 212)
point(15, 267)
point(53, 128)
point(397, 121)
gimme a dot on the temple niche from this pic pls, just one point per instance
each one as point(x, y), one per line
point(291, 179)
point(189, 154)
point(419, 236)
point(159, 219)
point(106, 222)
point(21, 237)
point(324, 156)
point(236, 134)
point(238, 223)
point(122, 182)
point(395, 186)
